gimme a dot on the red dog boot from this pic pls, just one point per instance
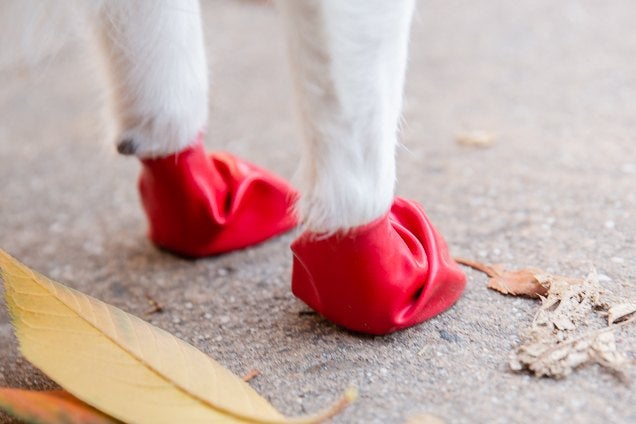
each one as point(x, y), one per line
point(381, 277)
point(200, 204)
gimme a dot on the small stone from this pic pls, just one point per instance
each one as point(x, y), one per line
point(589, 242)
point(207, 315)
point(617, 260)
point(57, 228)
point(628, 168)
point(423, 350)
point(176, 320)
point(602, 278)
point(449, 337)
point(224, 319)
point(188, 305)
point(609, 224)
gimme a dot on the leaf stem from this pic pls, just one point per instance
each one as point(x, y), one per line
point(349, 396)
point(486, 269)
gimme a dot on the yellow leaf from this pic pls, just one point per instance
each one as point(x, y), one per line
point(50, 407)
point(122, 365)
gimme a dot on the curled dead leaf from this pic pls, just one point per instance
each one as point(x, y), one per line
point(620, 311)
point(559, 340)
point(522, 282)
point(528, 282)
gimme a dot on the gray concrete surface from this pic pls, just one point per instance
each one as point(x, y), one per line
point(556, 81)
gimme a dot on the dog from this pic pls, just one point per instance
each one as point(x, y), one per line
point(366, 260)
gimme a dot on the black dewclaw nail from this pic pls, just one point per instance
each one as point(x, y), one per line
point(127, 147)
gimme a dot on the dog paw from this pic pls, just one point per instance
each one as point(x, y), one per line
point(381, 277)
point(199, 204)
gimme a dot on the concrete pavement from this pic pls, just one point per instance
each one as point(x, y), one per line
point(556, 83)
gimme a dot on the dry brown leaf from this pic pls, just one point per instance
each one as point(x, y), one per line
point(569, 305)
point(561, 337)
point(522, 282)
point(529, 282)
point(50, 407)
point(546, 355)
point(619, 311)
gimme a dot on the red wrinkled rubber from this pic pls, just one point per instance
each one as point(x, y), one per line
point(199, 204)
point(381, 277)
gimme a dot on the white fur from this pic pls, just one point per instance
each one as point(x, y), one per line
point(157, 61)
point(349, 60)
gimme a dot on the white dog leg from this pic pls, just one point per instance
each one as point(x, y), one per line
point(348, 59)
point(157, 60)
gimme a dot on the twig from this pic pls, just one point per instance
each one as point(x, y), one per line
point(251, 375)
point(155, 307)
point(349, 396)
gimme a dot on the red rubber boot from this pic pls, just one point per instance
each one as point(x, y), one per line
point(381, 277)
point(199, 204)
